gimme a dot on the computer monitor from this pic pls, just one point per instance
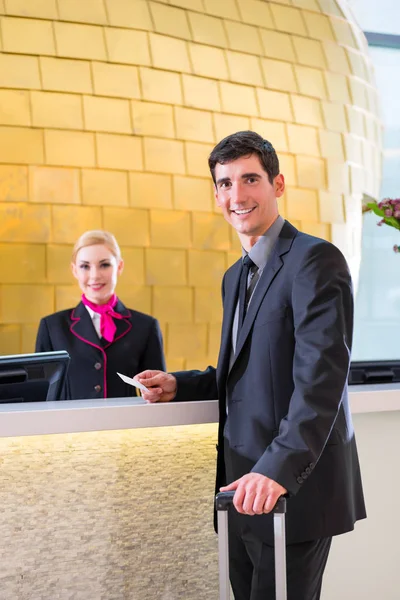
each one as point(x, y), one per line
point(374, 371)
point(32, 377)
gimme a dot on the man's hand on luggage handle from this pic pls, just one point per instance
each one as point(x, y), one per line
point(255, 494)
point(161, 386)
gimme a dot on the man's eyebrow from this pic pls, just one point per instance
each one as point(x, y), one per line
point(247, 175)
point(244, 176)
point(223, 180)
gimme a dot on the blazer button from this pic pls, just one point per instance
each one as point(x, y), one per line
point(311, 465)
point(308, 470)
point(304, 475)
point(300, 480)
point(97, 388)
point(97, 366)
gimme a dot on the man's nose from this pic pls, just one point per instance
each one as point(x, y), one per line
point(236, 195)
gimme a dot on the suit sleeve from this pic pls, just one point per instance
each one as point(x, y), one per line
point(196, 385)
point(43, 341)
point(322, 303)
point(153, 355)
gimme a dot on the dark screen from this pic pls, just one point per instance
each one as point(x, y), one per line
point(32, 377)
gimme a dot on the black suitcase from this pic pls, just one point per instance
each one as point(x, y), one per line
point(223, 501)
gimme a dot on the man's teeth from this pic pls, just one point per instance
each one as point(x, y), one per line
point(244, 211)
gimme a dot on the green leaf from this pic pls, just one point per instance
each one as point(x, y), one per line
point(375, 208)
point(392, 221)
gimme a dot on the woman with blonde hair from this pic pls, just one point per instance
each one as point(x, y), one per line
point(101, 335)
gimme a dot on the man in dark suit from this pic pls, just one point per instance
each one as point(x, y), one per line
point(285, 424)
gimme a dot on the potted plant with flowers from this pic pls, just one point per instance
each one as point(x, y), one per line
point(389, 210)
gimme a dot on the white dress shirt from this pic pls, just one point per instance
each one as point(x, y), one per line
point(95, 316)
point(259, 254)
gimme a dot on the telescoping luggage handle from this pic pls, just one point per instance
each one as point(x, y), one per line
point(223, 501)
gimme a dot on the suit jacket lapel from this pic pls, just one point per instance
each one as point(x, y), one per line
point(272, 268)
point(123, 325)
point(82, 326)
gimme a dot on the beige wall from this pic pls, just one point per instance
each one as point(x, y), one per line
point(108, 110)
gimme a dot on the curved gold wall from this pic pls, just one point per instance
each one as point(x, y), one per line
point(108, 110)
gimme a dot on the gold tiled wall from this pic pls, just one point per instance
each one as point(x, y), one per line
point(123, 515)
point(108, 110)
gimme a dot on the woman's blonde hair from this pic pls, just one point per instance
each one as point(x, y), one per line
point(97, 236)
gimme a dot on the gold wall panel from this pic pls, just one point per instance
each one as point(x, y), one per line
point(108, 110)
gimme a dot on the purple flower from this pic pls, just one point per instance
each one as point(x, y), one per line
point(391, 211)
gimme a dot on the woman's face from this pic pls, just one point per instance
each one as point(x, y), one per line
point(97, 270)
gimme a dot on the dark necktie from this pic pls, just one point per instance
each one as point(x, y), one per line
point(247, 264)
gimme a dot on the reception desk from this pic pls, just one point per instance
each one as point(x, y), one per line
point(112, 500)
point(72, 416)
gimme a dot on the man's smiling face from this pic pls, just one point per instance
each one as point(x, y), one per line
point(247, 198)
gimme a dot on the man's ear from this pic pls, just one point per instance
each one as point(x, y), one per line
point(279, 185)
point(217, 200)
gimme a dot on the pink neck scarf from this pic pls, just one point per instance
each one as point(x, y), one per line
point(107, 314)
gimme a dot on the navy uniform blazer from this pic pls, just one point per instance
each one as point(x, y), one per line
point(284, 408)
point(94, 362)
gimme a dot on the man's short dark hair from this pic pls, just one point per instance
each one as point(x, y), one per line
point(245, 143)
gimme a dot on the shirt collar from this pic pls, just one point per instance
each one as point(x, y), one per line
point(262, 249)
point(92, 313)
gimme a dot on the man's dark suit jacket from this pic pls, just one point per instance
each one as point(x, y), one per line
point(286, 391)
point(94, 362)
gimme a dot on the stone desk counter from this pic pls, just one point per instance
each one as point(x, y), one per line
point(112, 500)
point(72, 416)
